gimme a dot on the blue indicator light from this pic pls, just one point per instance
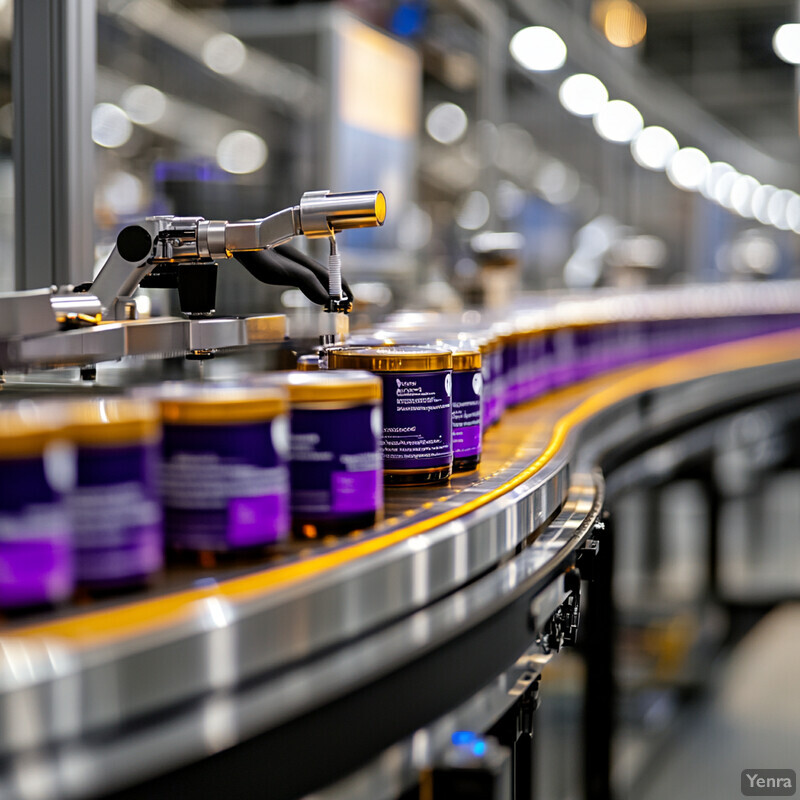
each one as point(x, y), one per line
point(464, 737)
point(479, 748)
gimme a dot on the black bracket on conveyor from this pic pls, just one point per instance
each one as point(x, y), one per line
point(586, 557)
point(562, 628)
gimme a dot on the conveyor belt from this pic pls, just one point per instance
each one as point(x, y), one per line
point(95, 669)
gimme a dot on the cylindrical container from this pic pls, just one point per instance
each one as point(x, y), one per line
point(115, 510)
point(225, 483)
point(36, 467)
point(467, 410)
point(335, 466)
point(417, 408)
point(308, 363)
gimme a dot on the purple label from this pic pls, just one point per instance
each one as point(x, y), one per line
point(116, 515)
point(335, 465)
point(357, 492)
point(498, 386)
point(467, 392)
point(467, 441)
point(36, 562)
point(417, 423)
point(257, 520)
point(37, 567)
point(225, 486)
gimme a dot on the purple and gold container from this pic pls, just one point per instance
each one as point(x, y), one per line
point(417, 408)
point(115, 509)
point(467, 410)
point(36, 466)
point(335, 464)
point(225, 483)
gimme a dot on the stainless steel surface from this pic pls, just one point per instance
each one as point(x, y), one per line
point(323, 213)
point(168, 336)
point(26, 314)
point(54, 57)
point(226, 716)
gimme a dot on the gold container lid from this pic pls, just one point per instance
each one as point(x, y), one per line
point(397, 358)
point(466, 360)
point(218, 406)
point(27, 427)
point(308, 363)
point(334, 386)
point(112, 421)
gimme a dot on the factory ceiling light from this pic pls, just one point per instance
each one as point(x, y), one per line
point(583, 95)
point(786, 42)
point(538, 49)
point(654, 147)
point(618, 121)
point(688, 168)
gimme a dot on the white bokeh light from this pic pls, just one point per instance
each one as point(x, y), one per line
point(688, 168)
point(241, 152)
point(538, 49)
point(583, 95)
point(724, 189)
point(793, 212)
point(474, 211)
point(786, 42)
point(111, 126)
point(557, 182)
point(713, 176)
point(742, 193)
point(654, 147)
point(123, 193)
point(777, 209)
point(144, 104)
point(446, 123)
point(224, 53)
point(618, 121)
point(760, 202)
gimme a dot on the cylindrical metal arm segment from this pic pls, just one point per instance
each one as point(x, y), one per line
point(323, 213)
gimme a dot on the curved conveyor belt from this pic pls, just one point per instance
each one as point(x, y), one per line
point(276, 680)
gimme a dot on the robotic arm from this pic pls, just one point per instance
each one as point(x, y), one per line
point(181, 252)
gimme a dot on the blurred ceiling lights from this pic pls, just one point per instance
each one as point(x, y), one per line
point(538, 49)
point(793, 212)
point(742, 193)
point(723, 189)
point(224, 53)
point(622, 22)
point(786, 42)
point(777, 208)
point(446, 123)
point(618, 121)
point(654, 147)
point(583, 95)
point(241, 152)
point(688, 168)
point(760, 202)
point(715, 173)
point(111, 126)
point(144, 104)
